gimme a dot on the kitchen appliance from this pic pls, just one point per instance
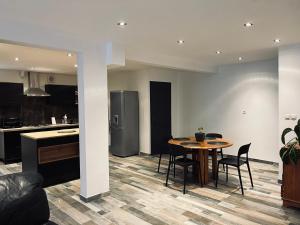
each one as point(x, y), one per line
point(34, 89)
point(124, 123)
point(12, 122)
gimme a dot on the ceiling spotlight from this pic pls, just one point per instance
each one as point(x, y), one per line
point(218, 52)
point(122, 24)
point(180, 42)
point(240, 58)
point(277, 40)
point(69, 54)
point(75, 65)
point(16, 59)
point(248, 24)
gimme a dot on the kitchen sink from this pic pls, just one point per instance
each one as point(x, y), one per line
point(66, 131)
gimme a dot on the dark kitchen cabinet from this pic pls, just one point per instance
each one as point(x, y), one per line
point(11, 94)
point(61, 94)
point(10, 146)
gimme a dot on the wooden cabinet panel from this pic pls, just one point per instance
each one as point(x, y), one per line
point(58, 152)
point(291, 185)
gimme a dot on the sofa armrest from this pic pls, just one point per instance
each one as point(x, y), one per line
point(31, 209)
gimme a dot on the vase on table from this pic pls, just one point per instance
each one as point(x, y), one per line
point(200, 136)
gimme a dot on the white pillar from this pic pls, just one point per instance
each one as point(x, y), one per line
point(93, 122)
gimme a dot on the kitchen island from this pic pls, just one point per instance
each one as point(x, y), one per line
point(54, 154)
point(10, 140)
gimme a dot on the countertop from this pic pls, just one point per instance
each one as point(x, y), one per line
point(51, 134)
point(36, 127)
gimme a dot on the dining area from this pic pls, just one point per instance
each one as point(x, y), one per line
point(204, 154)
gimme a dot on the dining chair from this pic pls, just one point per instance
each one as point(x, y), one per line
point(183, 161)
point(161, 153)
point(216, 135)
point(236, 162)
point(175, 155)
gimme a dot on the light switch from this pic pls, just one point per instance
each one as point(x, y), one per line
point(293, 117)
point(287, 116)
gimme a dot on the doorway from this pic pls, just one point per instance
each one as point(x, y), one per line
point(160, 110)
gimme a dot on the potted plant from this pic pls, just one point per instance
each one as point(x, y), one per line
point(290, 151)
point(200, 136)
point(290, 155)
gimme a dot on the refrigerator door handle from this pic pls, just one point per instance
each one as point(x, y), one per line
point(116, 120)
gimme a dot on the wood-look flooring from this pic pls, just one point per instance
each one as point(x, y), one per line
point(138, 196)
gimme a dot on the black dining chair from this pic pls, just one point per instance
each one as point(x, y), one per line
point(161, 153)
point(182, 161)
point(212, 136)
point(236, 162)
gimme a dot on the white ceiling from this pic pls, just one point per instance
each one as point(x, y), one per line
point(155, 26)
point(36, 59)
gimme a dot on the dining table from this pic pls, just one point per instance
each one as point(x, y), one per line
point(202, 149)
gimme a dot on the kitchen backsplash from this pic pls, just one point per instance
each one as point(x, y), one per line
point(36, 111)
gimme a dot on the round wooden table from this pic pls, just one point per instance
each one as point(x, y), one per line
point(201, 152)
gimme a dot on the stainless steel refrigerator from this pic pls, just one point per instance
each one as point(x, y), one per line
point(124, 123)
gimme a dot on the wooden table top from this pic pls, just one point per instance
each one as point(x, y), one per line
point(206, 144)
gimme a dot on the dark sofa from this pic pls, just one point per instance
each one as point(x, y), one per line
point(23, 200)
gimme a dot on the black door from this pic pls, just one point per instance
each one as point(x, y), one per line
point(160, 106)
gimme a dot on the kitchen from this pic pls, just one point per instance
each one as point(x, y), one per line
point(33, 100)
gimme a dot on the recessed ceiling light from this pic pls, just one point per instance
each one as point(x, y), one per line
point(240, 58)
point(277, 40)
point(180, 42)
point(218, 52)
point(122, 24)
point(69, 54)
point(16, 59)
point(75, 65)
point(248, 24)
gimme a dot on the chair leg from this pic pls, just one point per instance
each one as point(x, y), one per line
point(226, 172)
point(217, 175)
point(240, 180)
point(169, 166)
point(222, 156)
point(250, 173)
point(174, 158)
point(184, 179)
point(159, 162)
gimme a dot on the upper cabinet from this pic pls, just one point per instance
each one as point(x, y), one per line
point(11, 94)
point(61, 94)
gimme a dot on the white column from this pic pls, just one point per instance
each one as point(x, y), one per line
point(93, 122)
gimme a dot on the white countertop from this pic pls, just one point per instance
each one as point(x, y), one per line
point(51, 134)
point(36, 127)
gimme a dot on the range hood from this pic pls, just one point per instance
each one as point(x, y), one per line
point(34, 89)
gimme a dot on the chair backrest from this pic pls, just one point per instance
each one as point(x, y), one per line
point(176, 149)
point(244, 150)
point(213, 135)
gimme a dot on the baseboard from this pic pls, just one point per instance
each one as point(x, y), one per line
point(257, 160)
point(144, 154)
point(92, 198)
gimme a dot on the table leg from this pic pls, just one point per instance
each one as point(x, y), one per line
point(203, 162)
point(214, 162)
point(195, 167)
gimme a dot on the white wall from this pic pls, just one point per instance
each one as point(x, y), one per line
point(289, 90)
point(217, 101)
point(14, 76)
point(140, 81)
